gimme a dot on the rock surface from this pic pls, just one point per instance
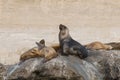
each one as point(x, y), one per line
point(3, 69)
point(100, 65)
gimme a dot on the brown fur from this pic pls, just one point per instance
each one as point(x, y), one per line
point(97, 46)
point(46, 52)
point(55, 46)
point(29, 54)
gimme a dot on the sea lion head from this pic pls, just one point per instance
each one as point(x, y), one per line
point(62, 27)
point(29, 54)
point(64, 31)
point(41, 44)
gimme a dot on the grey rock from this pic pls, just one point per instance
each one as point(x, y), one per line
point(100, 65)
point(107, 62)
point(2, 71)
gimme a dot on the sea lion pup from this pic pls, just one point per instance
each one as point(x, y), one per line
point(41, 51)
point(69, 45)
point(98, 46)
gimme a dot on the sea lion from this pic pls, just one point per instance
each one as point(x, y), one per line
point(98, 46)
point(47, 52)
point(41, 51)
point(69, 45)
point(115, 45)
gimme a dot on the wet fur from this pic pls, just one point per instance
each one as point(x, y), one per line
point(69, 45)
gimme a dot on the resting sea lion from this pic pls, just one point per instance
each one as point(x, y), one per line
point(115, 45)
point(98, 46)
point(69, 45)
point(41, 51)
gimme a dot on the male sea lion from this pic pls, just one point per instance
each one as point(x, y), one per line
point(98, 46)
point(41, 51)
point(69, 45)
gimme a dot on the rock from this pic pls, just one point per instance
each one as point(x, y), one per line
point(2, 71)
point(107, 62)
point(100, 65)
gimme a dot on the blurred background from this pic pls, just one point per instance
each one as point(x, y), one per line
point(23, 22)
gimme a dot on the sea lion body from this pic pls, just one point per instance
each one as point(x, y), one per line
point(69, 45)
point(48, 53)
point(98, 46)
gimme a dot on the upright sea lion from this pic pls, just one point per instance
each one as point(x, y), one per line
point(98, 46)
point(41, 51)
point(69, 45)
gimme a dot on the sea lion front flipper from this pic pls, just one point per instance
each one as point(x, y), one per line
point(65, 50)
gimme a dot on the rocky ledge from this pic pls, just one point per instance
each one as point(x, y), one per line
point(100, 65)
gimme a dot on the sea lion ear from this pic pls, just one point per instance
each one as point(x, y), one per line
point(40, 46)
point(42, 41)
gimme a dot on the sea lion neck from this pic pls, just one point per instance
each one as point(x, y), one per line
point(68, 38)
